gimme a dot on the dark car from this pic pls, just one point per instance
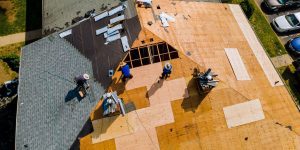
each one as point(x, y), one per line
point(275, 5)
point(294, 45)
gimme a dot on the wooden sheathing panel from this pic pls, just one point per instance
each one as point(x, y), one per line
point(237, 64)
point(243, 113)
point(133, 122)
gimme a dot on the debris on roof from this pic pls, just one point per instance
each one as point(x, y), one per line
point(114, 28)
point(116, 10)
point(101, 30)
point(111, 31)
point(101, 16)
point(65, 33)
point(112, 38)
point(165, 18)
point(111, 34)
point(117, 19)
point(146, 3)
point(125, 43)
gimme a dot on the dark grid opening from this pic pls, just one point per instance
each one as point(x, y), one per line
point(150, 54)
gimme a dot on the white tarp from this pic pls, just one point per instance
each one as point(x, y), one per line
point(65, 33)
point(101, 16)
point(125, 44)
point(102, 30)
point(117, 19)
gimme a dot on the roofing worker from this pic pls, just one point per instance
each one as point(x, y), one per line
point(125, 71)
point(166, 71)
point(81, 80)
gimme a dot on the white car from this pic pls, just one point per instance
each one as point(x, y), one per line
point(286, 23)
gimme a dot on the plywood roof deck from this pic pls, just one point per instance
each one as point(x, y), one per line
point(203, 30)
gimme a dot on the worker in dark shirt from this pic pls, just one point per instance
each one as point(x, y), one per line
point(125, 71)
point(166, 71)
point(81, 80)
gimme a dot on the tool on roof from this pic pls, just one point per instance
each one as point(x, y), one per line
point(112, 104)
point(205, 81)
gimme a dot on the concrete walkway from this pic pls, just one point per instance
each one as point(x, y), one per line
point(283, 60)
point(20, 37)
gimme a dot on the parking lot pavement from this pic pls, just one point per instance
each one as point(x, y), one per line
point(270, 16)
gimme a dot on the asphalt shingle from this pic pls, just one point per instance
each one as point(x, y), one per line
point(49, 115)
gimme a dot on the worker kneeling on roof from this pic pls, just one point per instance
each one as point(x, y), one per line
point(125, 71)
point(166, 71)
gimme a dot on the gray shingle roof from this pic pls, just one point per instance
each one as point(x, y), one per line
point(46, 118)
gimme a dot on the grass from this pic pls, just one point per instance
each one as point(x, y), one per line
point(19, 24)
point(287, 73)
point(6, 73)
point(11, 49)
point(9, 60)
point(263, 30)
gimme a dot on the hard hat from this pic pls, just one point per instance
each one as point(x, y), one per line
point(108, 94)
point(123, 64)
point(209, 77)
point(86, 76)
point(168, 65)
point(109, 101)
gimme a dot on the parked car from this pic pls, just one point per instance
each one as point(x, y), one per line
point(294, 45)
point(275, 5)
point(287, 23)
